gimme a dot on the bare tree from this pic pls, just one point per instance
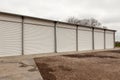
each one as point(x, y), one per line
point(93, 22)
point(73, 20)
point(87, 22)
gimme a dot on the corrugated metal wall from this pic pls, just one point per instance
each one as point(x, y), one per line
point(84, 38)
point(99, 39)
point(109, 39)
point(38, 36)
point(38, 39)
point(25, 35)
point(10, 35)
point(66, 38)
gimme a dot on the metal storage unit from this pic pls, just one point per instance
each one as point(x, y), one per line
point(38, 36)
point(98, 39)
point(109, 39)
point(84, 38)
point(21, 35)
point(66, 38)
point(10, 35)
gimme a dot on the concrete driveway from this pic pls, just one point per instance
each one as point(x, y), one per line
point(18, 68)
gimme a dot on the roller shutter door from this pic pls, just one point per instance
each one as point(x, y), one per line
point(38, 39)
point(66, 39)
point(109, 39)
point(10, 38)
point(84, 39)
point(99, 39)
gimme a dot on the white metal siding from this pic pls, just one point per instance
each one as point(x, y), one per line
point(10, 17)
point(109, 40)
point(99, 39)
point(38, 21)
point(38, 39)
point(66, 39)
point(84, 40)
point(10, 38)
point(63, 25)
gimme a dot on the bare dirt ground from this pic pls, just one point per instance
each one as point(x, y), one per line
point(87, 66)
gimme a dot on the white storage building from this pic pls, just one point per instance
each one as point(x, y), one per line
point(23, 35)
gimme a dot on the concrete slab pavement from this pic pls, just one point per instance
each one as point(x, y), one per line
point(16, 69)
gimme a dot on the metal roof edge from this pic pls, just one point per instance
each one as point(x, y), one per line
point(55, 21)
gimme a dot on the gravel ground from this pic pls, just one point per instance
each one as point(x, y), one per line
point(88, 66)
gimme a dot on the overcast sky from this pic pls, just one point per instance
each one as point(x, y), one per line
point(105, 11)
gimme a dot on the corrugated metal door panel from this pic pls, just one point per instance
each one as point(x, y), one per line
point(38, 39)
point(109, 40)
point(66, 39)
point(10, 38)
point(84, 40)
point(98, 40)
